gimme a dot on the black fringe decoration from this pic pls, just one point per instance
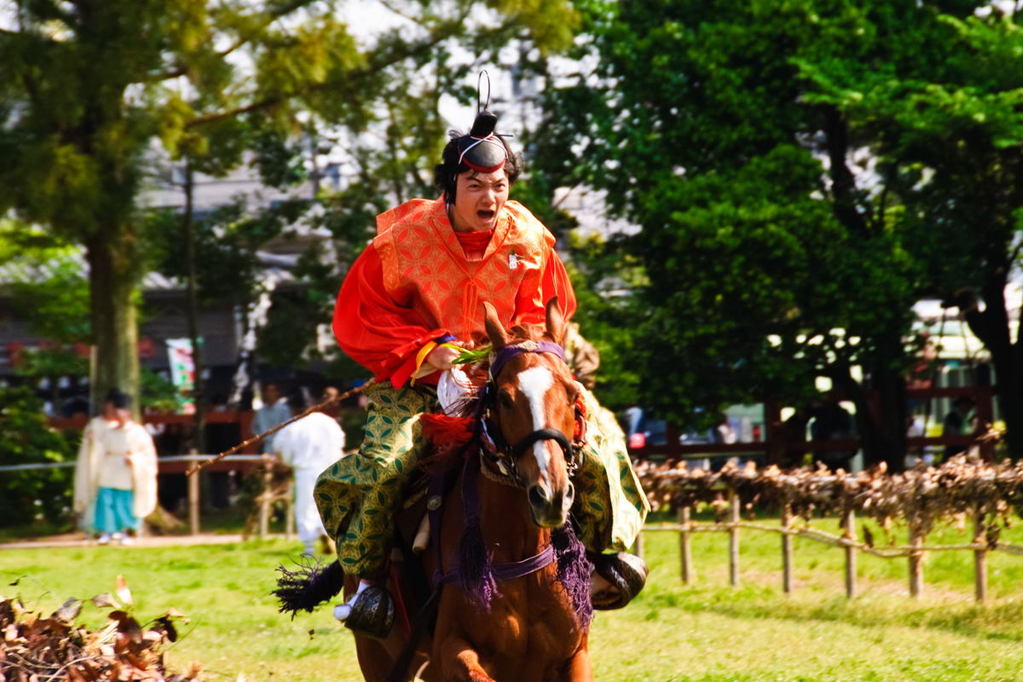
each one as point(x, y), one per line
point(308, 586)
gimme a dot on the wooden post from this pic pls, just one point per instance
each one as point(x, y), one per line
point(264, 503)
point(289, 509)
point(774, 434)
point(193, 503)
point(685, 546)
point(985, 414)
point(849, 534)
point(979, 556)
point(786, 550)
point(733, 538)
point(916, 564)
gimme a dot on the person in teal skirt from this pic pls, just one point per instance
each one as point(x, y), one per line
point(115, 475)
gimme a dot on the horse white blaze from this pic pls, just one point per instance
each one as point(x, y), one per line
point(534, 384)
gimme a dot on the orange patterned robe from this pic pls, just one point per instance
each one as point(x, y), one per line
point(419, 280)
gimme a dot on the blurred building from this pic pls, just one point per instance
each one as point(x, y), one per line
point(164, 312)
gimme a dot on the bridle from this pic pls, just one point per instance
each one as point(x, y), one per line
point(495, 452)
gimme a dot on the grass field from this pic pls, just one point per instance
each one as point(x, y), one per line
point(706, 631)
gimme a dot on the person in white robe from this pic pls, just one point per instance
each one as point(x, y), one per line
point(115, 475)
point(308, 446)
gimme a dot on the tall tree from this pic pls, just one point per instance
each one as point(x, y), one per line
point(88, 86)
point(948, 138)
point(770, 240)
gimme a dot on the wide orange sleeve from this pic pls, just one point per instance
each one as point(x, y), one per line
point(372, 329)
point(541, 286)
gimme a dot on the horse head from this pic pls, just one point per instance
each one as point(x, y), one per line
point(532, 412)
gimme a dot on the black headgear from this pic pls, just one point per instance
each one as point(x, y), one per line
point(481, 150)
point(118, 399)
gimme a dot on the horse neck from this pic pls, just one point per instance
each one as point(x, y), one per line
point(506, 522)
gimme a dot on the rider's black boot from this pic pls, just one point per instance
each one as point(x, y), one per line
point(626, 574)
point(372, 613)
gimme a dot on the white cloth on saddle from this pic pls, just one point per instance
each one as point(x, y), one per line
point(453, 389)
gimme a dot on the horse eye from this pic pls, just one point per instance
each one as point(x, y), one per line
point(505, 401)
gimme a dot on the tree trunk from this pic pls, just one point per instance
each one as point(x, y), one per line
point(882, 420)
point(889, 386)
point(115, 363)
point(991, 326)
point(1009, 388)
point(880, 407)
point(199, 421)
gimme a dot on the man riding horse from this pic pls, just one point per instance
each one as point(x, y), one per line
point(409, 306)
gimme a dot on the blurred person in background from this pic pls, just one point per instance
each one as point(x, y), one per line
point(334, 409)
point(958, 422)
point(308, 446)
point(273, 412)
point(115, 475)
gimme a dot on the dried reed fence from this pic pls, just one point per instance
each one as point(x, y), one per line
point(961, 490)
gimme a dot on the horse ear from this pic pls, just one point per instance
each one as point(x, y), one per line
point(495, 330)
point(555, 322)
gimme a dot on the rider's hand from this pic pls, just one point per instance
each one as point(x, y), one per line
point(442, 357)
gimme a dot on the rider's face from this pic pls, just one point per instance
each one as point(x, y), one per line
point(479, 198)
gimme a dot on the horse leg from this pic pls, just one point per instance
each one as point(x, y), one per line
point(460, 662)
point(578, 668)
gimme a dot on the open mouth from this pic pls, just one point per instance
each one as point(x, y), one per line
point(485, 215)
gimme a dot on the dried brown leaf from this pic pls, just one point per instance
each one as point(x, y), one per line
point(122, 591)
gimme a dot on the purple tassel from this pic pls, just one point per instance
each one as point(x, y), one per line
point(574, 571)
point(475, 567)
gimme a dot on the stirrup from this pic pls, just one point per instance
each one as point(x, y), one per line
point(372, 613)
point(625, 572)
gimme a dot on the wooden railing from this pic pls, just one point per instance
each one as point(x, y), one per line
point(920, 498)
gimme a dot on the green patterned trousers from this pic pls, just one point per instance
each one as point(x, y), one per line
point(358, 495)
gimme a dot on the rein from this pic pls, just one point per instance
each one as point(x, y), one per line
point(495, 450)
point(500, 572)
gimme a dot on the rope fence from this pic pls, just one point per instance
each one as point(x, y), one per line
point(176, 464)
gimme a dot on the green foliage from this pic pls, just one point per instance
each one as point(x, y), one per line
point(607, 311)
point(227, 240)
point(157, 393)
point(86, 91)
point(45, 283)
point(26, 439)
point(51, 363)
point(947, 137)
point(783, 160)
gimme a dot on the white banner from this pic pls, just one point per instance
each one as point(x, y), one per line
point(182, 370)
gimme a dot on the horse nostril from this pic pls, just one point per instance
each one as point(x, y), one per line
point(569, 494)
point(538, 496)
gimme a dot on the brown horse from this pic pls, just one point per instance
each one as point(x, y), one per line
point(521, 618)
